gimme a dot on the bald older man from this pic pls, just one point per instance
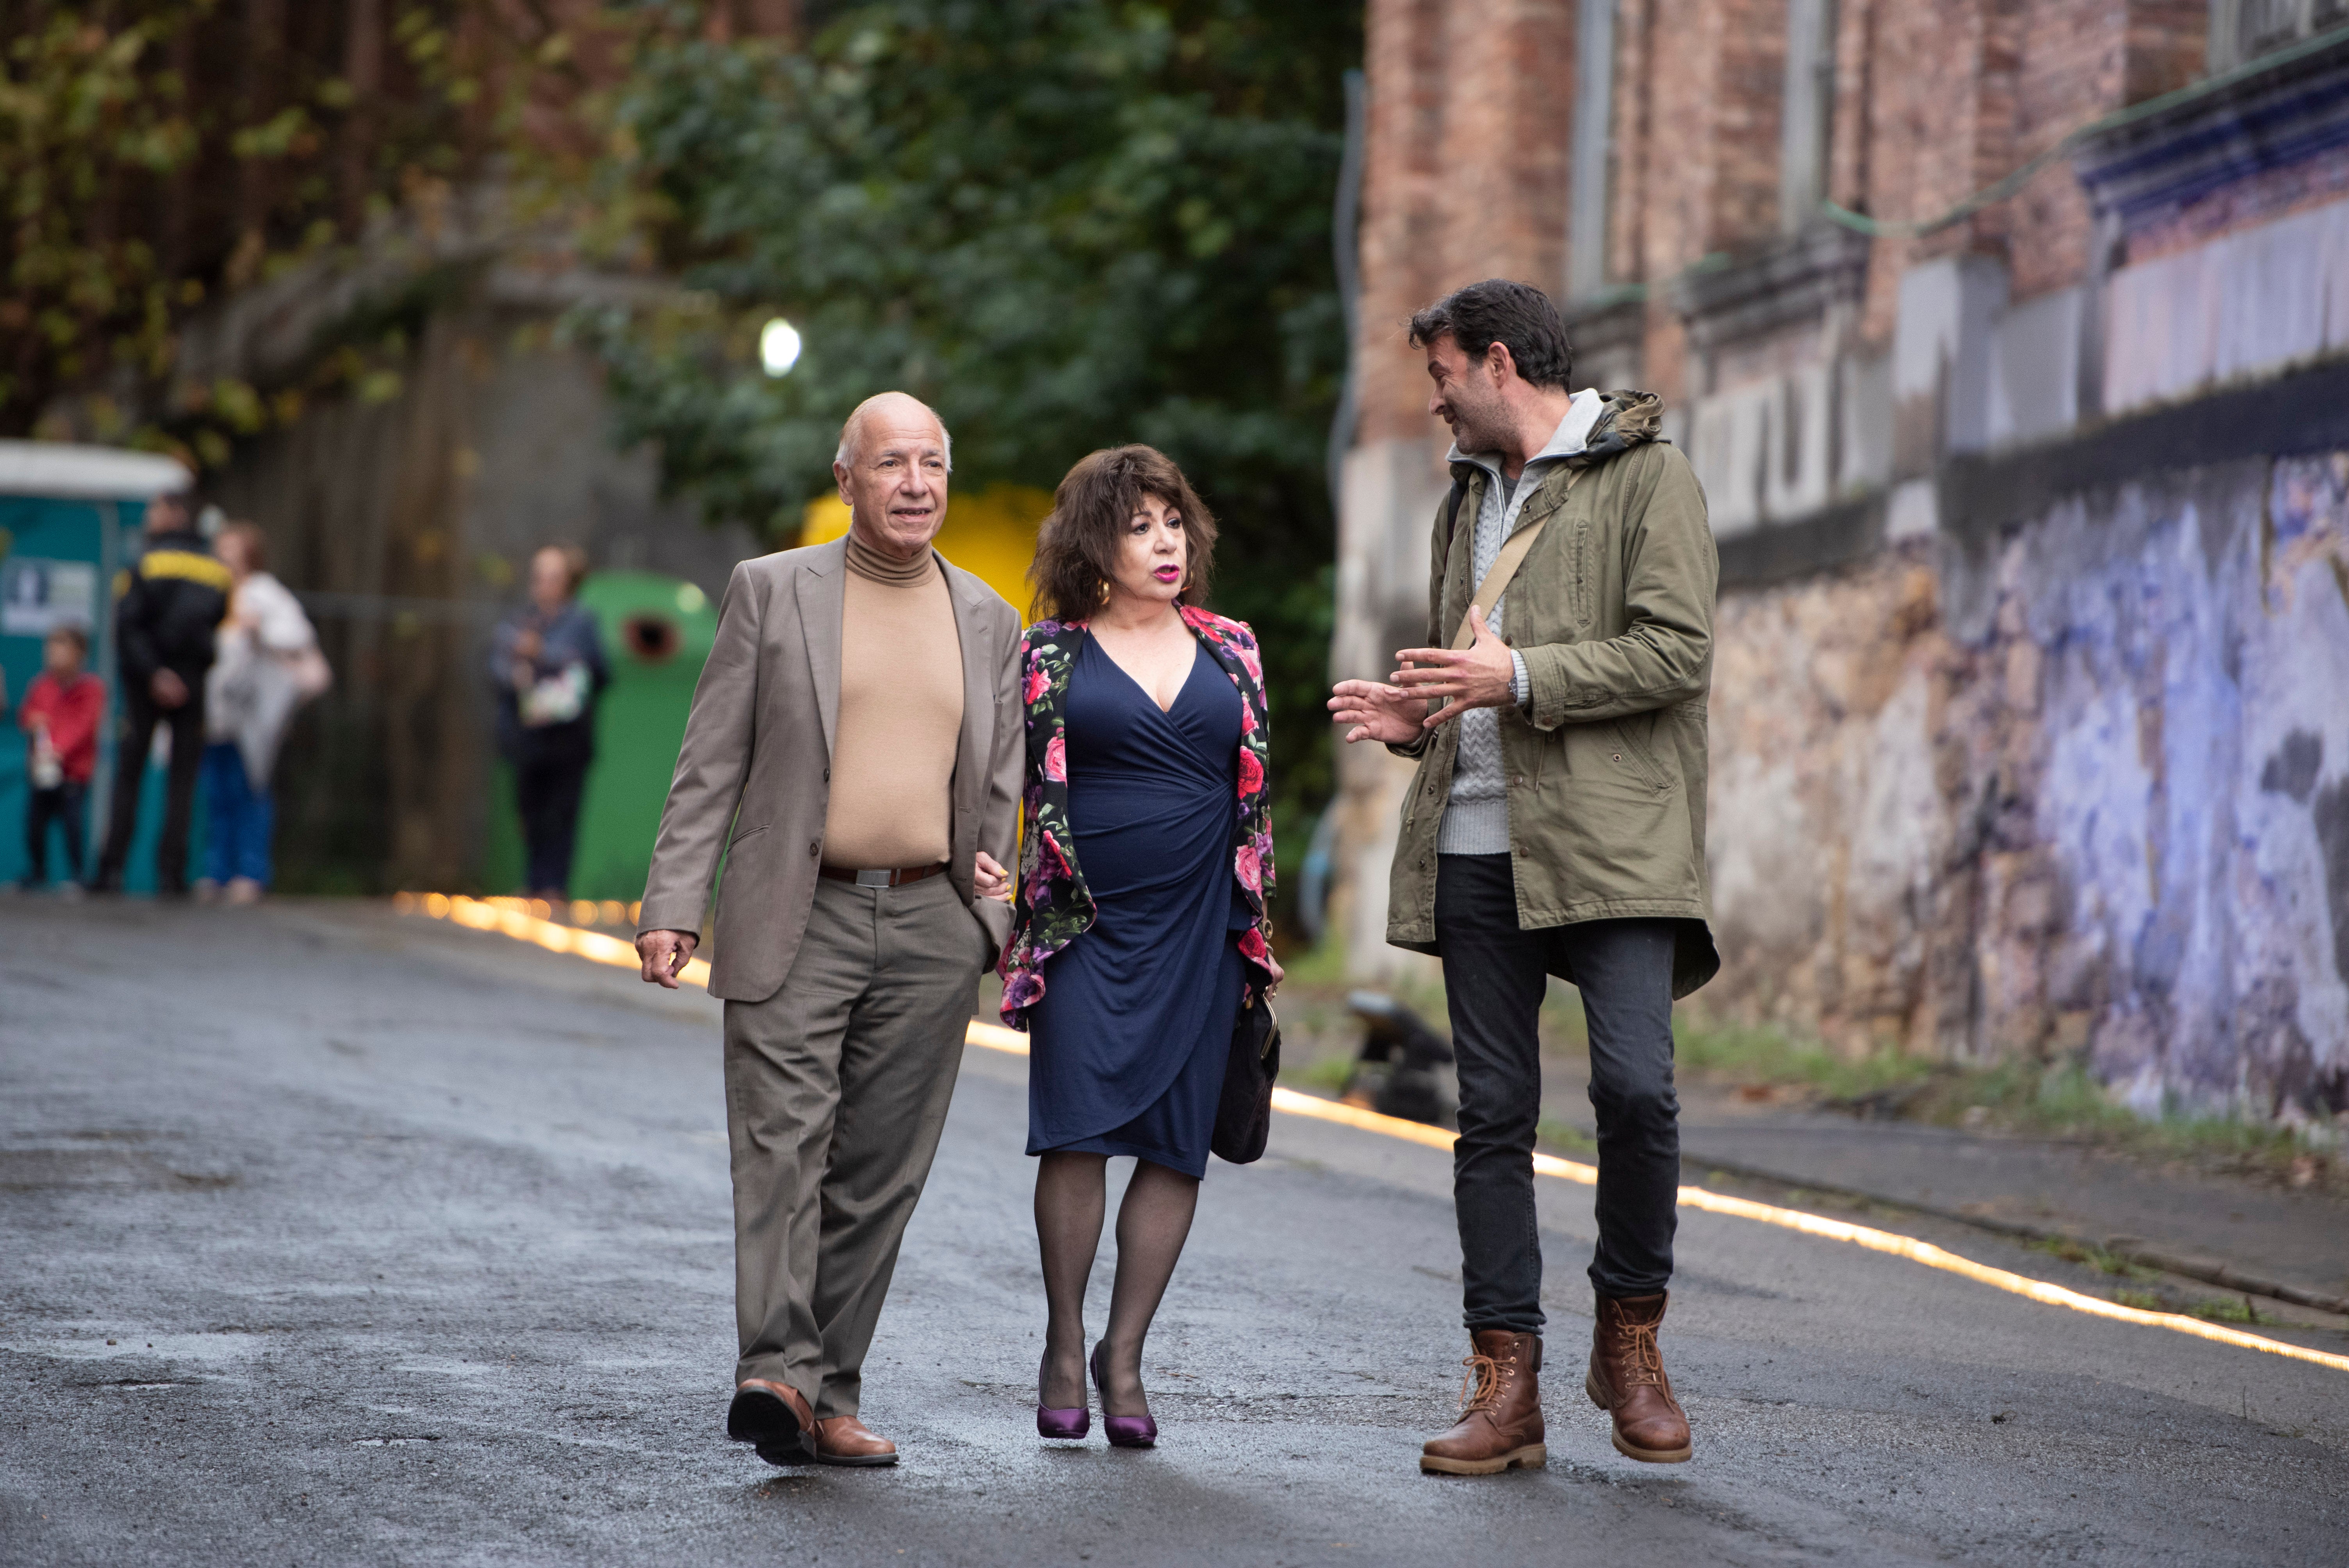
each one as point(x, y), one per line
point(853, 759)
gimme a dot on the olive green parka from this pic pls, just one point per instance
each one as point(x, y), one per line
point(1605, 767)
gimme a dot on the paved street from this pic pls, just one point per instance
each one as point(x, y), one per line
point(334, 1236)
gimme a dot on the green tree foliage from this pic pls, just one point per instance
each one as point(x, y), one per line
point(1065, 223)
point(158, 154)
point(79, 120)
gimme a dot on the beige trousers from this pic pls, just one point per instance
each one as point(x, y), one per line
point(836, 1087)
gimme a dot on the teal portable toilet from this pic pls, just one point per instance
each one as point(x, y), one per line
point(70, 519)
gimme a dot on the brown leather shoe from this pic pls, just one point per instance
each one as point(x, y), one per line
point(1500, 1425)
point(1627, 1380)
point(843, 1440)
point(775, 1416)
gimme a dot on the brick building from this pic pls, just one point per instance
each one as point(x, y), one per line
point(2010, 341)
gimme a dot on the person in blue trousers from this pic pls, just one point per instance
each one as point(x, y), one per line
point(266, 665)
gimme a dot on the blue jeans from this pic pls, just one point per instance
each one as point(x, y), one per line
point(239, 819)
point(1494, 975)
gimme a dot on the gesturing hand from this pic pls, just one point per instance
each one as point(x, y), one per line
point(1376, 712)
point(1478, 676)
point(989, 880)
point(665, 953)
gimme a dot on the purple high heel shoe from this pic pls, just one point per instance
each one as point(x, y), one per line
point(1062, 1425)
point(1123, 1431)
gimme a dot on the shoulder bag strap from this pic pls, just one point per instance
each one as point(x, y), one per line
point(1505, 566)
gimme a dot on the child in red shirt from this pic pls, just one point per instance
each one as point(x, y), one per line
point(59, 716)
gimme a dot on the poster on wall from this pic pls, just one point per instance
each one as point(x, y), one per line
point(38, 596)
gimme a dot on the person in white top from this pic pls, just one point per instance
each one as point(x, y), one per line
point(266, 665)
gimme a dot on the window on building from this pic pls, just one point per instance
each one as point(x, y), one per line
point(1807, 117)
point(2243, 30)
point(1593, 160)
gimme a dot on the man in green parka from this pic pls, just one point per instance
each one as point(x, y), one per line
point(1555, 826)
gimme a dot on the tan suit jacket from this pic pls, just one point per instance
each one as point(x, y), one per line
point(754, 776)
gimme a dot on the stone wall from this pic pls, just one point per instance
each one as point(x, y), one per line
point(2084, 795)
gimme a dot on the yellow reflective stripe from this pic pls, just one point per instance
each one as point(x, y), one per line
point(186, 564)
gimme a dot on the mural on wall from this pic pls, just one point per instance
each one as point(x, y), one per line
point(2198, 685)
point(2110, 816)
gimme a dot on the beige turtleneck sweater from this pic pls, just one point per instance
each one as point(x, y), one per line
point(892, 752)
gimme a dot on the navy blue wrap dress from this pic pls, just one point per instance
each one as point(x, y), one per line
point(1129, 1041)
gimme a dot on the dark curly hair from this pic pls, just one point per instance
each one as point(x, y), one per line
point(1077, 547)
point(1499, 311)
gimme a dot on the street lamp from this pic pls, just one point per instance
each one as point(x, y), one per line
point(778, 346)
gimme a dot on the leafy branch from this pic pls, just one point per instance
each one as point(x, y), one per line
point(1066, 225)
point(143, 181)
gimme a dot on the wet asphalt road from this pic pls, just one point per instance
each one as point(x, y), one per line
point(330, 1236)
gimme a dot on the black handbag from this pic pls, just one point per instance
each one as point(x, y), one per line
point(1243, 1111)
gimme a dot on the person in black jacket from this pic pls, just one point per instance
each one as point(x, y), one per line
point(169, 602)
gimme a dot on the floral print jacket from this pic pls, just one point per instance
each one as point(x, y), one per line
point(1054, 907)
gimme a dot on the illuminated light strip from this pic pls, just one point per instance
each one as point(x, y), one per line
point(1876, 1241)
point(510, 917)
point(1011, 1042)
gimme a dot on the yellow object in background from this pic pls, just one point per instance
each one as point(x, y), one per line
point(991, 535)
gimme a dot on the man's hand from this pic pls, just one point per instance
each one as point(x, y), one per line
point(665, 953)
point(1478, 676)
point(1376, 712)
point(168, 689)
point(989, 880)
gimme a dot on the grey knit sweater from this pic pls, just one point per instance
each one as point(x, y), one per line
point(1476, 816)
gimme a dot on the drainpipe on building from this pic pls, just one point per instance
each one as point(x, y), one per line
point(1345, 247)
point(2104, 256)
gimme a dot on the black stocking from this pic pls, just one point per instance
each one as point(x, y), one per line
point(1152, 1225)
point(1069, 1204)
point(1153, 1222)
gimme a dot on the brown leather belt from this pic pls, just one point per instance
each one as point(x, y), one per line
point(898, 878)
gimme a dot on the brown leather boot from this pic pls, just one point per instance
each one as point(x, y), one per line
point(1500, 1425)
point(1627, 1380)
point(844, 1441)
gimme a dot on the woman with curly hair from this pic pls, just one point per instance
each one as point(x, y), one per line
point(1142, 930)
